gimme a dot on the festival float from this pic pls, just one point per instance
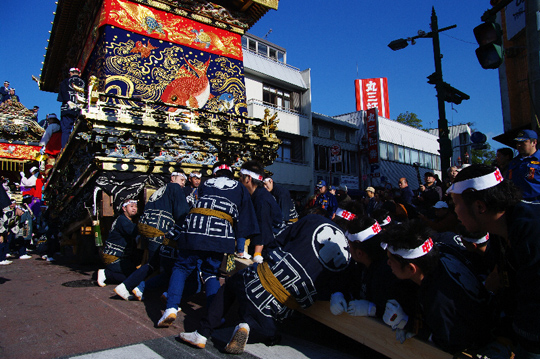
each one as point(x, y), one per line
point(164, 90)
point(19, 139)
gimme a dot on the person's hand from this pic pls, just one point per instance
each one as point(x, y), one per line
point(338, 304)
point(361, 308)
point(402, 335)
point(1, 239)
point(71, 105)
point(493, 281)
point(394, 315)
point(422, 188)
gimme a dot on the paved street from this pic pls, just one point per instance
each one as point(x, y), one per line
point(55, 310)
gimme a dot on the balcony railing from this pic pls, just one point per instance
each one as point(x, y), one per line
point(270, 58)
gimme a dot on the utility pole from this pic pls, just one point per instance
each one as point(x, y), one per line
point(444, 140)
point(532, 28)
point(445, 92)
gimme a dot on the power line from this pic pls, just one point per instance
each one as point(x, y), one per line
point(455, 38)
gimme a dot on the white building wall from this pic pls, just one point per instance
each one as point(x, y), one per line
point(254, 91)
point(260, 69)
point(399, 134)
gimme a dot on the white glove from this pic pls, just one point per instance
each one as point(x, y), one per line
point(338, 304)
point(402, 335)
point(22, 174)
point(394, 315)
point(71, 105)
point(42, 150)
point(361, 308)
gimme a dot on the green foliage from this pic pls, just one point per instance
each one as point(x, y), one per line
point(411, 119)
point(486, 156)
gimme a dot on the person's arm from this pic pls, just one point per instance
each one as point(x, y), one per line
point(63, 93)
point(180, 205)
point(46, 136)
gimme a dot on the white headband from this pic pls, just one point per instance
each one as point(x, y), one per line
point(483, 239)
point(222, 167)
point(131, 201)
point(251, 174)
point(193, 174)
point(345, 214)
point(478, 183)
point(365, 234)
point(179, 174)
point(414, 253)
point(386, 221)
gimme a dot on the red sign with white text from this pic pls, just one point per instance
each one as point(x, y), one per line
point(372, 93)
point(372, 126)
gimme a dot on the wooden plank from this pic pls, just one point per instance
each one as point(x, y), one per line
point(371, 332)
point(374, 333)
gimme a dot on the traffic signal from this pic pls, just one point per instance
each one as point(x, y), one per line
point(478, 140)
point(451, 94)
point(479, 146)
point(434, 78)
point(490, 52)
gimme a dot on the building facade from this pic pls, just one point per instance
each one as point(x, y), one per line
point(402, 151)
point(335, 152)
point(319, 147)
point(272, 84)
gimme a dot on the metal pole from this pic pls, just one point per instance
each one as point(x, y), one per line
point(444, 141)
point(532, 11)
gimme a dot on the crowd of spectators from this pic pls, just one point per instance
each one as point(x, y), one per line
point(417, 260)
point(25, 224)
point(453, 263)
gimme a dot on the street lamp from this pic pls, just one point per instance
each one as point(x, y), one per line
point(398, 44)
point(445, 92)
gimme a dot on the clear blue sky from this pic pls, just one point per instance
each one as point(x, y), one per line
point(338, 41)
point(334, 38)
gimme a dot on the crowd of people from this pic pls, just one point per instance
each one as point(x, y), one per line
point(7, 93)
point(25, 225)
point(453, 263)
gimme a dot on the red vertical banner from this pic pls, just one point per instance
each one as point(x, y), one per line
point(372, 93)
point(372, 126)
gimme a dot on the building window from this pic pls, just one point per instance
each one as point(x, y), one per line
point(340, 135)
point(422, 159)
point(322, 158)
point(347, 166)
point(408, 156)
point(391, 154)
point(272, 53)
point(401, 154)
point(291, 150)
point(263, 49)
point(383, 150)
point(249, 44)
point(323, 131)
point(280, 98)
point(284, 151)
point(414, 156)
point(348, 162)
